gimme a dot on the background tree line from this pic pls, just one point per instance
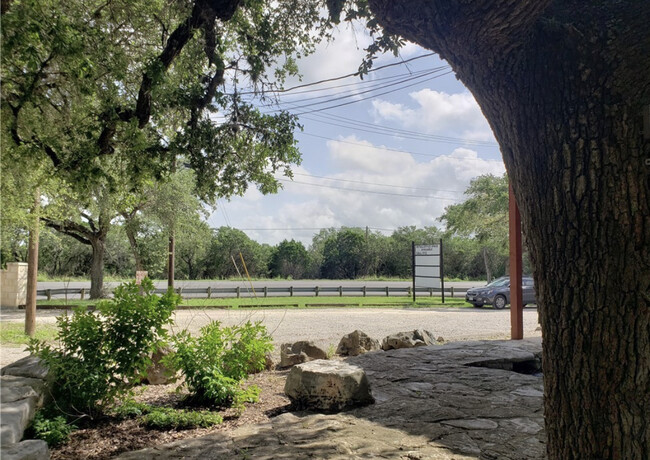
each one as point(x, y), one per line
point(474, 243)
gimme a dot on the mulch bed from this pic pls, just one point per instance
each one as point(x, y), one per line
point(108, 438)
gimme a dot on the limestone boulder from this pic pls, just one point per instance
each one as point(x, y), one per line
point(29, 366)
point(356, 343)
point(300, 352)
point(32, 449)
point(328, 386)
point(409, 339)
point(158, 373)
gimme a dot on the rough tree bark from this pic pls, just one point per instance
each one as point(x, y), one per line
point(564, 85)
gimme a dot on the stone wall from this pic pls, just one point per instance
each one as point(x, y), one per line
point(13, 285)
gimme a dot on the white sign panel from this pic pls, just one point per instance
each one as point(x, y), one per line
point(431, 261)
point(427, 272)
point(427, 282)
point(427, 266)
point(427, 250)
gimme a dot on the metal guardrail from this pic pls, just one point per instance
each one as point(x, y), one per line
point(265, 291)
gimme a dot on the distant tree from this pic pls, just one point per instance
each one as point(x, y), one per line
point(399, 256)
point(193, 237)
point(87, 217)
point(484, 217)
point(226, 245)
point(289, 258)
point(343, 254)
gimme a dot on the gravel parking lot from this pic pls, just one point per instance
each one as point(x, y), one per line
point(326, 326)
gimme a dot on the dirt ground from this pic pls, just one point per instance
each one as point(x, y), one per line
point(110, 437)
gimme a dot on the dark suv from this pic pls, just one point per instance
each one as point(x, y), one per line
point(497, 293)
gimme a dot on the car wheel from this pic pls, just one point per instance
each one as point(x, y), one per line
point(499, 302)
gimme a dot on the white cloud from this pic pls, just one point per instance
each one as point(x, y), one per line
point(439, 113)
point(373, 187)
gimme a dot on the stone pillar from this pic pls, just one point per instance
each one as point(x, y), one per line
point(13, 285)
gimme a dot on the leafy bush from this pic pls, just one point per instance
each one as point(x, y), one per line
point(217, 362)
point(166, 418)
point(101, 354)
point(54, 431)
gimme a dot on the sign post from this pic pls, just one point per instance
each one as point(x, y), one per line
point(427, 267)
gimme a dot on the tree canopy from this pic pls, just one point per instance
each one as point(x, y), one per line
point(141, 83)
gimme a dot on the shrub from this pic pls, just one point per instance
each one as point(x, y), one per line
point(54, 431)
point(100, 355)
point(217, 362)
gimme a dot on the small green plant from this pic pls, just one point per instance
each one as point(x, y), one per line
point(331, 351)
point(102, 354)
point(166, 418)
point(54, 431)
point(217, 362)
point(130, 409)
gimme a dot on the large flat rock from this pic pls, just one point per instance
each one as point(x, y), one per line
point(329, 386)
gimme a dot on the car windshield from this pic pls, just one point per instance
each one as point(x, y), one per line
point(499, 282)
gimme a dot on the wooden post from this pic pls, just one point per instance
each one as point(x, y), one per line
point(265, 291)
point(32, 267)
point(413, 267)
point(48, 293)
point(316, 290)
point(209, 291)
point(340, 291)
point(290, 291)
point(171, 256)
point(516, 299)
point(238, 292)
point(452, 291)
point(387, 291)
point(364, 291)
point(83, 293)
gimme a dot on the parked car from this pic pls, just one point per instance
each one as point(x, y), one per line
point(497, 293)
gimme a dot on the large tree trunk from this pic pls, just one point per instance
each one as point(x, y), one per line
point(130, 234)
point(97, 268)
point(564, 87)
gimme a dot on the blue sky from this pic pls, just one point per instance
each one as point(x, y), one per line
point(406, 144)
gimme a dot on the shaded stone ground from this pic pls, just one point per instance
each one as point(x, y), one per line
point(456, 401)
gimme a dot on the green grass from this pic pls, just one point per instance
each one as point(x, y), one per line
point(299, 302)
point(13, 334)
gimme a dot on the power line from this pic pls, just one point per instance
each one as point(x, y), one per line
point(375, 95)
point(363, 82)
point(357, 73)
point(348, 94)
point(402, 195)
point(390, 149)
point(381, 185)
point(382, 129)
